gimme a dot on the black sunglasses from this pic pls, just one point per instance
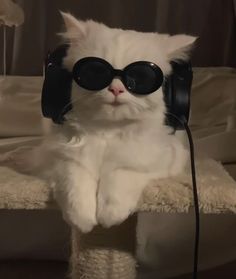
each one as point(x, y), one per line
point(95, 73)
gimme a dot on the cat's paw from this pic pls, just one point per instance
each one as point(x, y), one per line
point(118, 196)
point(82, 221)
point(75, 191)
point(112, 212)
point(78, 210)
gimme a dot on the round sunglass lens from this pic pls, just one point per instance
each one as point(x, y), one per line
point(143, 77)
point(92, 73)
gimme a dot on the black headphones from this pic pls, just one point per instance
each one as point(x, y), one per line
point(56, 93)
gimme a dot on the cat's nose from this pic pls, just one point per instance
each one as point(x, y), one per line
point(116, 87)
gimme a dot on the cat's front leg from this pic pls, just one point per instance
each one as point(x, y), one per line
point(118, 195)
point(75, 191)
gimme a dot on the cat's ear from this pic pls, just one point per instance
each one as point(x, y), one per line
point(75, 29)
point(179, 46)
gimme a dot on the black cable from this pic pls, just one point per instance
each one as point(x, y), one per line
point(195, 195)
point(196, 203)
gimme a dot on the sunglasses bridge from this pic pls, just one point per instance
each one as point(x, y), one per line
point(118, 73)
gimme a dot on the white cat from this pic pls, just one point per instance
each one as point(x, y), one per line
point(112, 143)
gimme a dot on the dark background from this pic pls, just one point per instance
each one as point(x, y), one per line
point(213, 21)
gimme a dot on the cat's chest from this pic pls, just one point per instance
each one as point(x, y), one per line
point(121, 140)
point(125, 148)
point(121, 145)
point(115, 144)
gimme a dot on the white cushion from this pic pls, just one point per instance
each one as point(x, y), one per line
point(20, 113)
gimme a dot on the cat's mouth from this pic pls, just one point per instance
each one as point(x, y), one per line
point(115, 103)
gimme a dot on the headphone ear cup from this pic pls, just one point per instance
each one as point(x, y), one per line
point(177, 90)
point(56, 92)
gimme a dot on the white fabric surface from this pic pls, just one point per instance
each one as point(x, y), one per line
point(213, 112)
point(20, 113)
point(213, 97)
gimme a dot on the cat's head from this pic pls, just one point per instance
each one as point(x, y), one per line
point(120, 48)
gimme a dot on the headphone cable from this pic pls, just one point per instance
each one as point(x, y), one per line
point(195, 194)
point(196, 202)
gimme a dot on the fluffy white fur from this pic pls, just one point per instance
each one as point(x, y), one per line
point(103, 156)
